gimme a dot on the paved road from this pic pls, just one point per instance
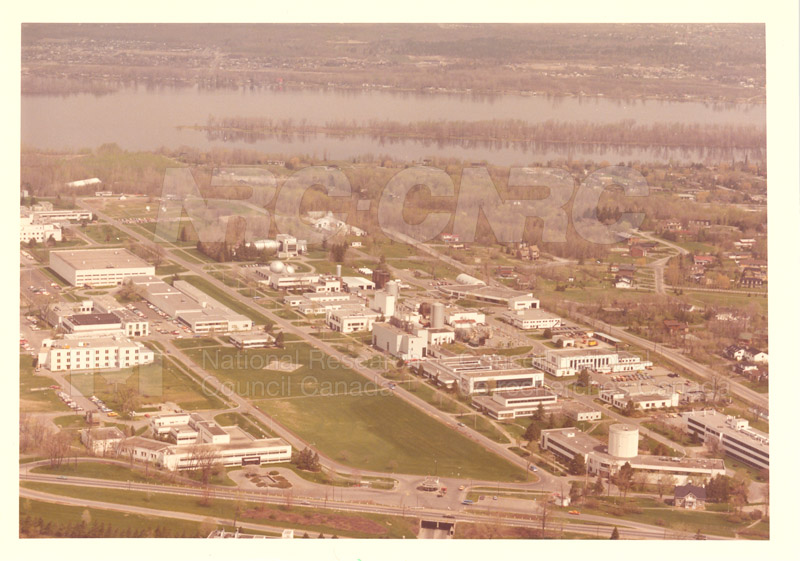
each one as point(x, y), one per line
point(477, 514)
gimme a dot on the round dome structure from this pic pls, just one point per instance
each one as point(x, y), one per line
point(289, 269)
point(623, 440)
point(277, 267)
point(464, 278)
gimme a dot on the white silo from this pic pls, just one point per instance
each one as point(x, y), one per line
point(392, 289)
point(623, 440)
point(437, 315)
point(339, 271)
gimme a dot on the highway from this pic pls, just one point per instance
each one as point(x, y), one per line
point(628, 529)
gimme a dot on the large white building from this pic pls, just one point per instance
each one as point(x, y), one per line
point(500, 295)
point(570, 362)
point(44, 212)
point(39, 232)
point(98, 267)
point(93, 354)
point(186, 441)
point(735, 436)
point(461, 318)
point(532, 318)
point(481, 374)
point(400, 343)
point(623, 447)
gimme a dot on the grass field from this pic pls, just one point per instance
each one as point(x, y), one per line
point(158, 382)
point(105, 234)
point(226, 300)
point(121, 521)
point(36, 401)
point(381, 432)
point(355, 525)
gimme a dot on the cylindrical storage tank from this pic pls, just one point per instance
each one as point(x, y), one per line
point(464, 278)
point(266, 244)
point(392, 289)
point(623, 440)
point(339, 271)
point(437, 315)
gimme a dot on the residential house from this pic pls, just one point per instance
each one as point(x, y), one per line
point(690, 496)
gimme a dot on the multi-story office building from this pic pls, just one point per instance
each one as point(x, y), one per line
point(570, 362)
point(481, 374)
point(735, 436)
point(93, 354)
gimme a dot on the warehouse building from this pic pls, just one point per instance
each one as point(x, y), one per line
point(98, 267)
point(735, 435)
point(499, 295)
point(641, 401)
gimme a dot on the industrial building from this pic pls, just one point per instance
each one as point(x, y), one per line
point(579, 412)
point(98, 267)
point(531, 318)
point(93, 354)
point(45, 213)
point(191, 306)
point(318, 303)
point(481, 374)
point(735, 436)
point(357, 284)
point(461, 318)
point(623, 447)
point(571, 361)
point(400, 343)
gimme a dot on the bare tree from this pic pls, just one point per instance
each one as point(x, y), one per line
point(56, 446)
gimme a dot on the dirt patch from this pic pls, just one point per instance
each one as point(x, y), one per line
point(485, 531)
point(338, 521)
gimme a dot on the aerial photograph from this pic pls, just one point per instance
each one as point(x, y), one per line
point(393, 280)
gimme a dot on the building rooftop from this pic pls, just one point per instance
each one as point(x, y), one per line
point(100, 259)
point(93, 319)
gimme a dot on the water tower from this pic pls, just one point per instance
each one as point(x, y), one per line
point(623, 440)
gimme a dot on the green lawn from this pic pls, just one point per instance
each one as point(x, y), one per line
point(57, 514)
point(40, 400)
point(302, 518)
point(169, 269)
point(97, 470)
point(381, 432)
point(105, 234)
point(160, 381)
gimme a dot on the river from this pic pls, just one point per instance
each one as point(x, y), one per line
point(140, 118)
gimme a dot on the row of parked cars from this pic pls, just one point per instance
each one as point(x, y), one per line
point(631, 377)
point(68, 401)
point(102, 406)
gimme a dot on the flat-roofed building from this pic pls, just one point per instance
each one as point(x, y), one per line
point(568, 442)
point(438, 336)
point(251, 340)
point(506, 405)
point(579, 412)
point(640, 401)
point(570, 362)
point(98, 267)
point(95, 324)
point(102, 441)
point(481, 374)
point(39, 232)
point(350, 320)
point(500, 295)
point(93, 354)
point(357, 284)
point(460, 318)
point(735, 436)
point(532, 318)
